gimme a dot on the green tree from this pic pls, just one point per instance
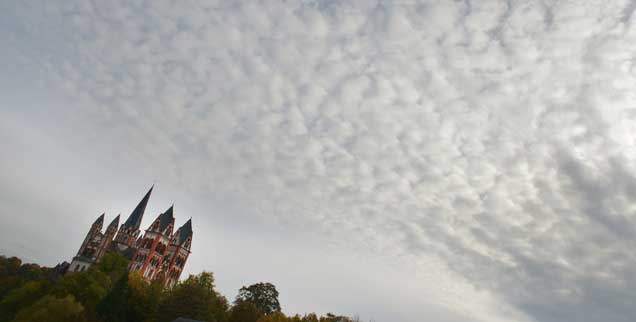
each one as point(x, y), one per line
point(114, 265)
point(88, 287)
point(144, 298)
point(9, 278)
point(245, 312)
point(263, 295)
point(311, 317)
point(9, 266)
point(194, 298)
point(21, 297)
point(114, 306)
point(52, 309)
point(335, 318)
point(274, 317)
point(14, 274)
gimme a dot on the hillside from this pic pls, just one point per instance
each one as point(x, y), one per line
point(107, 292)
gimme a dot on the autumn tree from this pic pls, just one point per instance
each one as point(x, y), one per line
point(88, 287)
point(274, 317)
point(143, 298)
point(245, 312)
point(114, 265)
point(263, 295)
point(14, 274)
point(330, 317)
point(52, 309)
point(21, 297)
point(114, 306)
point(194, 298)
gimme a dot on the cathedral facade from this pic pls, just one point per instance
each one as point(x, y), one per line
point(159, 254)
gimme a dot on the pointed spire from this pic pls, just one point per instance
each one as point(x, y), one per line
point(166, 219)
point(115, 223)
point(99, 220)
point(184, 232)
point(134, 220)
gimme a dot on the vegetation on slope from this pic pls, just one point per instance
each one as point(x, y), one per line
point(108, 293)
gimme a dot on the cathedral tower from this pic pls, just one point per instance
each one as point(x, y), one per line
point(159, 255)
point(177, 255)
point(129, 232)
point(109, 234)
point(154, 245)
point(87, 252)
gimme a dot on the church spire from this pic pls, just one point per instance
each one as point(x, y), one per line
point(164, 222)
point(184, 232)
point(134, 220)
point(114, 224)
point(100, 220)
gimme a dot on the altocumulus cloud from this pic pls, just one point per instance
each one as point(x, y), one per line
point(496, 137)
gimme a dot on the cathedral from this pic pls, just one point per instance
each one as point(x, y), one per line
point(159, 254)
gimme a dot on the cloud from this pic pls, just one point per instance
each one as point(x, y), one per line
point(496, 137)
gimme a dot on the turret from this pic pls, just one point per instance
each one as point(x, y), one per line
point(164, 224)
point(95, 229)
point(107, 239)
point(87, 252)
point(149, 256)
point(178, 253)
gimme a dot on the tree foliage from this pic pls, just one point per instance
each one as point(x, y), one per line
point(88, 287)
point(52, 309)
point(245, 312)
point(263, 295)
point(114, 265)
point(108, 293)
point(14, 274)
point(114, 306)
point(143, 298)
point(194, 298)
point(21, 297)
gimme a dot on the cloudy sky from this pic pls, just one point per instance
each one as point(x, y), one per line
point(407, 161)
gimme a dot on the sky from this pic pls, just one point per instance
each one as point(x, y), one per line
point(404, 161)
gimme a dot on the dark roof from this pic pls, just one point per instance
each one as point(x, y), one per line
point(114, 223)
point(184, 232)
point(186, 320)
point(134, 220)
point(166, 219)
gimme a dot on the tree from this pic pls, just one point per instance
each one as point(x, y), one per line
point(114, 265)
point(194, 298)
point(143, 298)
point(52, 309)
point(21, 297)
point(88, 287)
point(274, 317)
point(335, 318)
point(9, 278)
point(9, 266)
point(263, 295)
point(14, 274)
point(245, 312)
point(114, 306)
